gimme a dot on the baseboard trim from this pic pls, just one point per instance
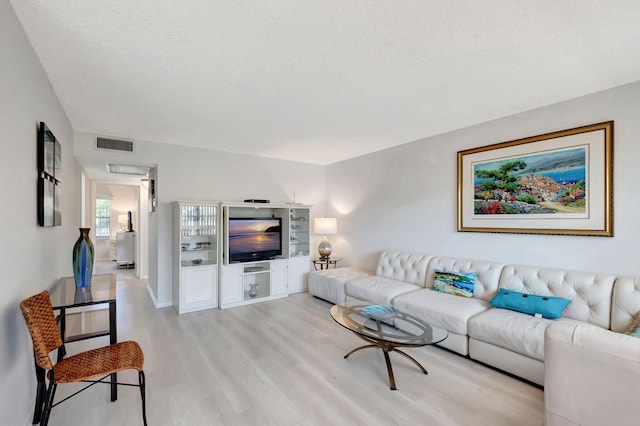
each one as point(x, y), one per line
point(155, 301)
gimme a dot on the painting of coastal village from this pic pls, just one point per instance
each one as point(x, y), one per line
point(553, 182)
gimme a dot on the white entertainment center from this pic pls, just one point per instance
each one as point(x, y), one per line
point(234, 253)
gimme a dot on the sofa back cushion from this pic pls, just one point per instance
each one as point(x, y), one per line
point(590, 293)
point(626, 303)
point(400, 266)
point(487, 273)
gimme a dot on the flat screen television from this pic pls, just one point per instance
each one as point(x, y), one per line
point(252, 239)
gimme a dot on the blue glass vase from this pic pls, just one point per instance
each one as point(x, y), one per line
point(83, 259)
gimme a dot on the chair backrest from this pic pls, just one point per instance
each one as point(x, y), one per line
point(38, 314)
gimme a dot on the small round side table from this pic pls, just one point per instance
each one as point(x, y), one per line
point(325, 263)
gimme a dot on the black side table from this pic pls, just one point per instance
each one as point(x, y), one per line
point(325, 263)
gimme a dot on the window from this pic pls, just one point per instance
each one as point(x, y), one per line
point(103, 218)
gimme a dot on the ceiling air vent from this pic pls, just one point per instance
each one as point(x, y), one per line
point(114, 144)
point(128, 169)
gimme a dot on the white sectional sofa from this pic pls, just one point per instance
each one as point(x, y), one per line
point(511, 341)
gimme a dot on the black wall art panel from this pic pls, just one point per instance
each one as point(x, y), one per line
point(49, 171)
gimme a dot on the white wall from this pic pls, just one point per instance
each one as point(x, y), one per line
point(404, 198)
point(31, 257)
point(184, 173)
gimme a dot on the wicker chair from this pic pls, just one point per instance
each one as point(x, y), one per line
point(104, 361)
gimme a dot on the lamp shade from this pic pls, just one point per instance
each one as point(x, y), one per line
point(325, 225)
point(123, 218)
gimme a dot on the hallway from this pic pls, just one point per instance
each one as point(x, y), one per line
point(107, 267)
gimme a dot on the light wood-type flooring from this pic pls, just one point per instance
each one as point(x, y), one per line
point(281, 363)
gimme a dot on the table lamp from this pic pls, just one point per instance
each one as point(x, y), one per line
point(123, 220)
point(325, 226)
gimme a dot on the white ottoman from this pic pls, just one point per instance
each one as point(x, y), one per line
point(329, 283)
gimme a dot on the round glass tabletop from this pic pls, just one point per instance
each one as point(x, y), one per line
point(399, 328)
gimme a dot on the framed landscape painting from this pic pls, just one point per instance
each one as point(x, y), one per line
point(556, 183)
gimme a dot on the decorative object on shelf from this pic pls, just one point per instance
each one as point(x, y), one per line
point(123, 220)
point(152, 196)
point(83, 259)
point(556, 183)
point(380, 312)
point(197, 261)
point(325, 226)
point(203, 245)
point(253, 289)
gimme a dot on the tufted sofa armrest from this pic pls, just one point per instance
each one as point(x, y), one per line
point(590, 376)
point(625, 304)
point(405, 267)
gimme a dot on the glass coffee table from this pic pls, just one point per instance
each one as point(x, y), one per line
point(388, 329)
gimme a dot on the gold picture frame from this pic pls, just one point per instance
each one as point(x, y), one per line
point(556, 183)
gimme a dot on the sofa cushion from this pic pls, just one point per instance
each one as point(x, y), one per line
point(440, 309)
point(520, 333)
point(454, 283)
point(379, 290)
point(546, 306)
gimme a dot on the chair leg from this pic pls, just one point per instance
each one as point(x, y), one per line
point(48, 403)
point(142, 394)
point(41, 391)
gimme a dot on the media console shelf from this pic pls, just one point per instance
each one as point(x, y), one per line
point(259, 261)
point(245, 283)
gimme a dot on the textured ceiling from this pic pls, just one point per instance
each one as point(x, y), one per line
point(322, 81)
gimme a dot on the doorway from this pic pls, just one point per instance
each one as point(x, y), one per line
point(118, 219)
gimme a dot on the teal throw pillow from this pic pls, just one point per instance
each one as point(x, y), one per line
point(454, 283)
point(547, 306)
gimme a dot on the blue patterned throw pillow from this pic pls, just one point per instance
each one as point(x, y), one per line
point(454, 283)
point(635, 328)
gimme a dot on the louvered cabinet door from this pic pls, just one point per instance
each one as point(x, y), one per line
point(198, 288)
point(232, 285)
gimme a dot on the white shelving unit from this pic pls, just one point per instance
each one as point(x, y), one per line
point(298, 232)
point(298, 266)
point(195, 281)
